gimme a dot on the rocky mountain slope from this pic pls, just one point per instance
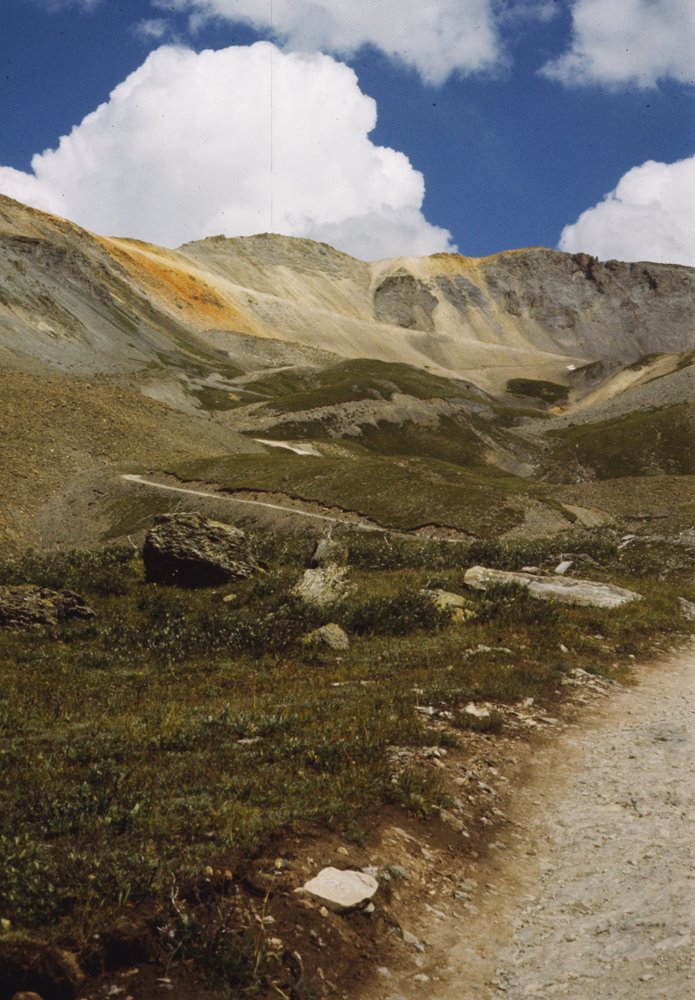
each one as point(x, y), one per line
point(84, 303)
point(121, 356)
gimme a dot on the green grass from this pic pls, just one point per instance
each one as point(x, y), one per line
point(452, 440)
point(644, 443)
point(363, 378)
point(133, 512)
point(121, 766)
point(548, 392)
point(399, 492)
point(212, 398)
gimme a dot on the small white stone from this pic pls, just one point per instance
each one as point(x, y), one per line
point(411, 939)
point(478, 711)
point(341, 890)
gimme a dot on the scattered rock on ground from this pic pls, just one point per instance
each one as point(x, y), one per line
point(413, 940)
point(566, 591)
point(26, 604)
point(330, 636)
point(341, 890)
point(687, 538)
point(458, 605)
point(687, 608)
point(477, 711)
point(480, 648)
point(192, 551)
point(323, 586)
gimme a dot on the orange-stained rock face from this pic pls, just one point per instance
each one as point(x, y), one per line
point(171, 281)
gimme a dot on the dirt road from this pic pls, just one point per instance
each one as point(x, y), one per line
point(593, 897)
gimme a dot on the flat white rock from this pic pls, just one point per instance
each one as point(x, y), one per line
point(548, 588)
point(341, 890)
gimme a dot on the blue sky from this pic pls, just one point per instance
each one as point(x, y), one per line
point(521, 117)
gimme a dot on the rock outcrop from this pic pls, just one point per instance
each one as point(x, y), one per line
point(26, 605)
point(554, 588)
point(190, 550)
point(323, 586)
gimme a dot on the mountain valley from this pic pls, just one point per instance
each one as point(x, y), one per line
point(466, 495)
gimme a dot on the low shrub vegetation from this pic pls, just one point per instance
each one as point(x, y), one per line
point(177, 727)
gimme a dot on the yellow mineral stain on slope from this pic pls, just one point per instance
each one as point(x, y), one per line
point(632, 377)
point(180, 287)
point(477, 261)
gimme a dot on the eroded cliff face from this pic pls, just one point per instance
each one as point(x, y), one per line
point(73, 301)
point(567, 304)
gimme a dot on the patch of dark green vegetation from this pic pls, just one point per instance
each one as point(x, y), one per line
point(643, 362)
point(177, 727)
point(512, 416)
point(686, 361)
point(547, 392)
point(389, 553)
point(197, 364)
point(382, 487)
point(212, 398)
point(645, 443)
point(363, 378)
point(452, 440)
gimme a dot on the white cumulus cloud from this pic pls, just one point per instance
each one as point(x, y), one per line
point(435, 37)
point(153, 29)
point(628, 42)
point(182, 150)
point(649, 216)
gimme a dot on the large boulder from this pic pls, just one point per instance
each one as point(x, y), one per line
point(25, 605)
point(192, 551)
point(554, 588)
point(323, 586)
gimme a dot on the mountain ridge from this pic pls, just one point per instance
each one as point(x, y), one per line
point(442, 370)
point(482, 318)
